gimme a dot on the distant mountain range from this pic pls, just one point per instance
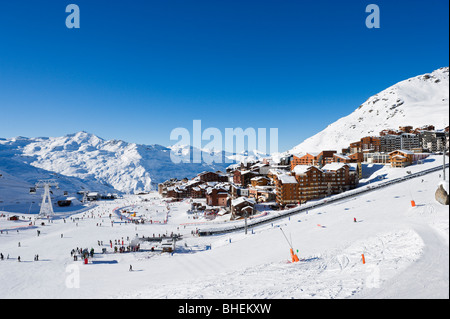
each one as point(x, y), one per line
point(113, 164)
point(86, 161)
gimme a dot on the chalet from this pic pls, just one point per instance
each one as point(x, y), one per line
point(390, 132)
point(238, 191)
point(314, 159)
point(243, 178)
point(260, 181)
point(286, 160)
point(212, 177)
point(406, 129)
point(260, 168)
point(403, 158)
point(217, 197)
point(355, 147)
point(341, 158)
point(273, 173)
point(263, 193)
point(333, 178)
point(340, 177)
point(356, 157)
point(198, 191)
point(310, 183)
point(241, 206)
point(286, 189)
point(371, 143)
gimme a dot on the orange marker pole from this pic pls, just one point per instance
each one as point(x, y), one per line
point(363, 258)
point(294, 256)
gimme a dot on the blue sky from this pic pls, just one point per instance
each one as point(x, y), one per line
point(137, 69)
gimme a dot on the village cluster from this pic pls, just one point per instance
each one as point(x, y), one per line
point(298, 178)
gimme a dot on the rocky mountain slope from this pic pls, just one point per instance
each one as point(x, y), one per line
point(417, 101)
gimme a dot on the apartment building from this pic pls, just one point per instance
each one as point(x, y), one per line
point(286, 189)
point(316, 159)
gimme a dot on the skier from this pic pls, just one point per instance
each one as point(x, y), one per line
point(354, 220)
point(131, 268)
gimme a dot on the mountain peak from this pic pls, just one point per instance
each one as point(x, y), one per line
point(418, 101)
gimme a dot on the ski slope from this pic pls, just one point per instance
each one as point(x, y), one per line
point(405, 248)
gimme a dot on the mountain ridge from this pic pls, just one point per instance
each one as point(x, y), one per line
point(417, 101)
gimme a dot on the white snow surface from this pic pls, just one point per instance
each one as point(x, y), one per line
point(406, 250)
point(418, 101)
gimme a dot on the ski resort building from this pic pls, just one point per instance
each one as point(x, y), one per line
point(286, 189)
point(315, 159)
point(403, 158)
point(310, 182)
point(242, 206)
point(433, 141)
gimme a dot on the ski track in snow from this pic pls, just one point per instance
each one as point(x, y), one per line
point(334, 274)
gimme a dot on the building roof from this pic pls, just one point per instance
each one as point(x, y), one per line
point(302, 169)
point(287, 179)
point(403, 151)
point(342, 156)
point(333, 166)
point(241, 200)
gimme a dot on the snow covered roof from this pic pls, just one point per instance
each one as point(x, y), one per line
point(258, 178)
point(233, 166)
point(315, 154)
point(342, 156)
point(298, 155)
point(402, 151)
point(242, 200)
point(258, 165)
point(302, 169)
point(277, 171)
point(287, 179)
point(93, 194)
point(333, 166)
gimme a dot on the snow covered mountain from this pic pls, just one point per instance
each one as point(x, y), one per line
point(126, 167)
point(418, 101)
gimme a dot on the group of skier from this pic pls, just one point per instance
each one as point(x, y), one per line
point(80, 252)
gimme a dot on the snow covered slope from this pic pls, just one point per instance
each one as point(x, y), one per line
point(418, 101)
point(126, 167)
point(406, 252)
